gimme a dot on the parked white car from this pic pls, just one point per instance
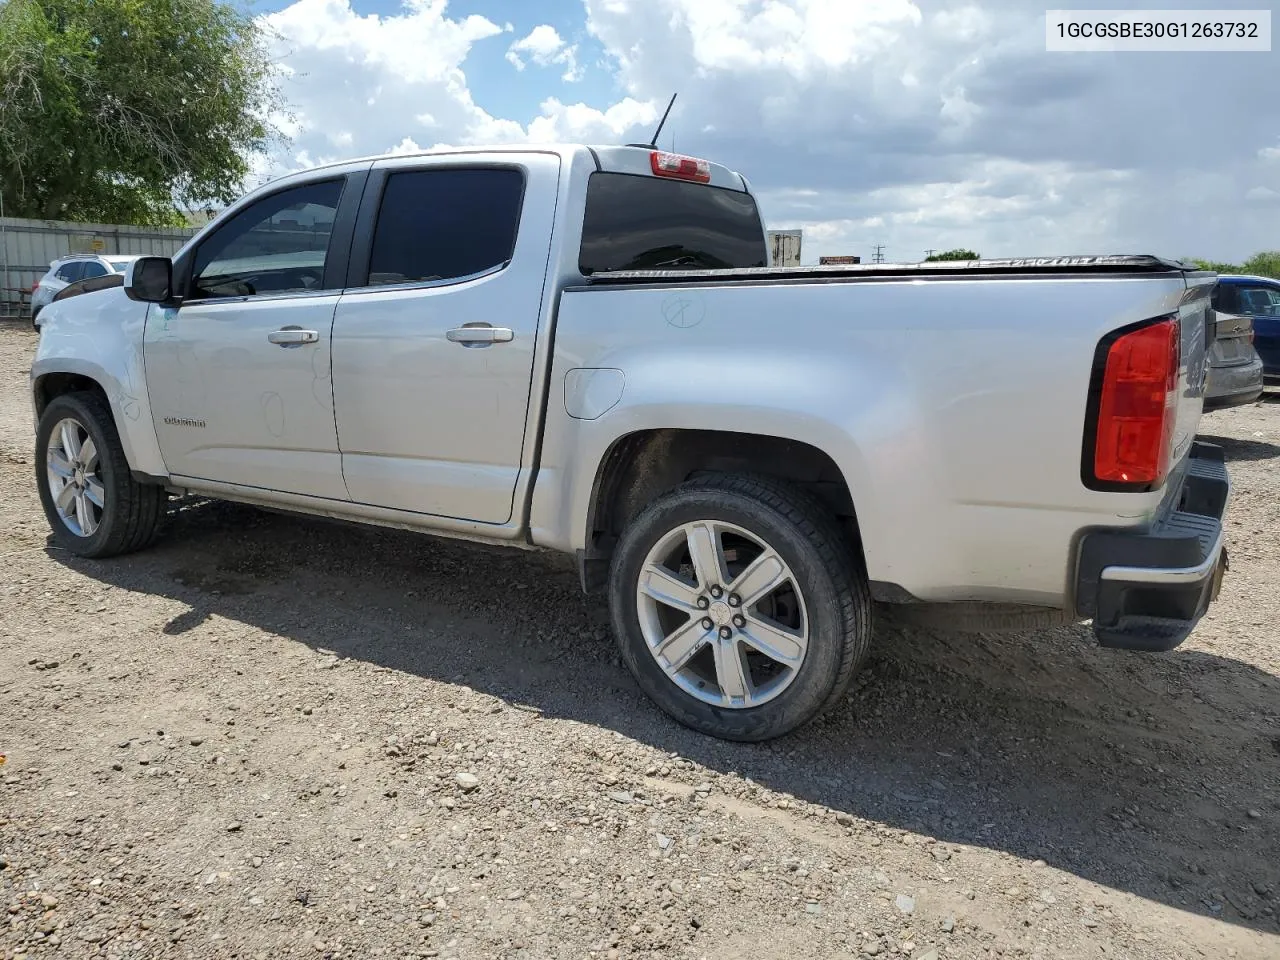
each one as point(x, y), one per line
point(67, 270)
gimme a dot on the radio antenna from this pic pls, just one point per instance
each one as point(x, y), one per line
point(663, 121)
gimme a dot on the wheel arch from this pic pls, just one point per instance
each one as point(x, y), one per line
point(130, 414)
point(646, 463)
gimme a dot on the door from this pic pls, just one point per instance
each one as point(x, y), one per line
point(93, 269)
point(433, 341)
point(239, 373)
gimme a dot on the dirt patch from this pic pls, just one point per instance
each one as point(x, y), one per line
point(283, 737)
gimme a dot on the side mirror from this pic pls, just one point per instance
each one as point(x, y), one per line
point(149, 280)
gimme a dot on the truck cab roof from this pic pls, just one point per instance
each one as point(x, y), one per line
point(630, 159)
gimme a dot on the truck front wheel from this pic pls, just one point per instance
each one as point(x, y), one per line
point(94, 506)
point(739, 606)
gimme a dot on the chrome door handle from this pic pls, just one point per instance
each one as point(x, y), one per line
point(474, 336)
point(292, 336)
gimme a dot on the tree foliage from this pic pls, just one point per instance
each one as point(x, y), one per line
point(957, 254)
point(1263, 264)
point(125, 111)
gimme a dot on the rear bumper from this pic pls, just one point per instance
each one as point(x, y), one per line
point(1148, 590)
point(1234, 385)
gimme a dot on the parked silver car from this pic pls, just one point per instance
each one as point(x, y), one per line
point(1235, 369)
point(67, 270)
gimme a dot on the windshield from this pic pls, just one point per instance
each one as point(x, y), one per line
point(648, 223)
point(119, 266)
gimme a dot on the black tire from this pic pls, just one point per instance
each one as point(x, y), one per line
point(827, 571)
point(35, 325)
point(132, 511)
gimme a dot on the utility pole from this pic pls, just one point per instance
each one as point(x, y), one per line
point(878, 256)
point(929, 253)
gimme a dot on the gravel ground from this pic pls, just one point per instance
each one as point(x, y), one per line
point(282, 737)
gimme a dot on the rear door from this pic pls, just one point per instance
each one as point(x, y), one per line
point(92, 269)
point(433, 339)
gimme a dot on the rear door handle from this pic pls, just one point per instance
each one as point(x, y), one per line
point(292, 336)
point(480, 335)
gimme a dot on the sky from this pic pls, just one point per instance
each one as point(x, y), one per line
point(912, 124)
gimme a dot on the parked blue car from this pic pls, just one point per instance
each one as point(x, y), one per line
point(1257, 298)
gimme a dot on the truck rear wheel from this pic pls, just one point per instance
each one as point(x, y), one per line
point(739, 606)
point(94, 506)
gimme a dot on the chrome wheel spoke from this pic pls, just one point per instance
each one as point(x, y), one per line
point(60, 465)
point(775, 642)
point(89, 455)
point(766, 573)
point(65, 497)
point(665, 587)
point(706, 554)
point(70, 440)
point(681, 645)
point(84, 515)
point(731, 672)
point(95, 493)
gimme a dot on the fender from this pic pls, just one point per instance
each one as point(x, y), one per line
point(831, 404)
point(99, 336)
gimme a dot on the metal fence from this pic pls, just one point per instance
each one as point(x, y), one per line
point(28, 246)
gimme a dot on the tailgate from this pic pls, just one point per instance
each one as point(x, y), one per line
point(1232, 341)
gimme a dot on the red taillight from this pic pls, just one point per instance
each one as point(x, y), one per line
point(1137, 406)
point(35, 286)
point(679, 168)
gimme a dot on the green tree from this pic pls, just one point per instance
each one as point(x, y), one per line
point(1263, 264)
point(1214, 265)
point(126, 111)
point(957, 254)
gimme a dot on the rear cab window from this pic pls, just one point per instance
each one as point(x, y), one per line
point(636, 222)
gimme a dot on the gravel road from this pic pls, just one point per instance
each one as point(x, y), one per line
point(272, 736)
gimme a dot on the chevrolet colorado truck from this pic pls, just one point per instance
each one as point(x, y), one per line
point(583, 350)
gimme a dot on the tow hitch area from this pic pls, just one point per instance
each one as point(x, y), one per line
point(1147, 591)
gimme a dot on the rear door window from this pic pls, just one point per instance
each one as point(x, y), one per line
point(445, 224)
point(648, 223)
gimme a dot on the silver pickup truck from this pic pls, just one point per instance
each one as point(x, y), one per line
point(582, 349)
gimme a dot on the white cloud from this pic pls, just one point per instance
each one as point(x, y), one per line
point(545, 47)
point(935, 123)
point(370, 84)
point(914, 123)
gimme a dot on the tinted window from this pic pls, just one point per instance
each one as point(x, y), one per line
point(70, 272)
point(1254, 300)
point(277, 245)
point(92, 268)
point(646, 223)
point(445, 224)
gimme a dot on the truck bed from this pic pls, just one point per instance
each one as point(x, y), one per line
point(1059, 267)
